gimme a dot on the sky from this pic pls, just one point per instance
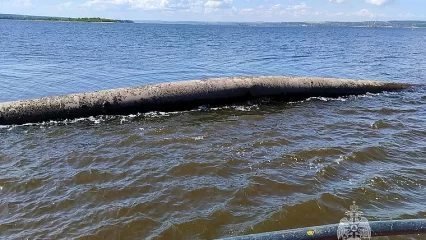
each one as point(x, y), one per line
point(224, 10)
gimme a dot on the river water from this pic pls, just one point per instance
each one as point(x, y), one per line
point(210, 172)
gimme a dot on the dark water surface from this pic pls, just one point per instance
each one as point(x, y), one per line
point(211, 172)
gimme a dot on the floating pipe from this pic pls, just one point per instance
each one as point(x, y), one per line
point(182, 96)
point(329, 232)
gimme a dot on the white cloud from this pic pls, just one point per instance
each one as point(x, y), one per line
point(366, 13)
point(91, 3)
point(307, 12)
point(298, 7)
point(24, 3)
point(66, 5)
point(217, 4)
point(406, 15)
point(183, 5)
point(378, 2)
point(276, 6)
point(247, 10)
point(279, 10)
point(374, 2)
point(301, 9)
point(213, 4)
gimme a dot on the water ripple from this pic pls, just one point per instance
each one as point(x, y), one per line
point(213, 171)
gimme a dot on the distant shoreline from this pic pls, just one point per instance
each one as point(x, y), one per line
point(366, 24)
point(40, 20)
point(60, 19)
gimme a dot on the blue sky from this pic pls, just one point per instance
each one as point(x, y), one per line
point(224, 10)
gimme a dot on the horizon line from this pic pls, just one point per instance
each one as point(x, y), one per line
point(220, 21)
point(209, 21)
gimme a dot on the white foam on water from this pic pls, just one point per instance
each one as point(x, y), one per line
point(198, 138)
point(12, 127)
point(340, 159)
point(346, 98)
point(243, 108)
point(246, 108)
point(92, 119)
point(159, 114)
point(326, 99)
